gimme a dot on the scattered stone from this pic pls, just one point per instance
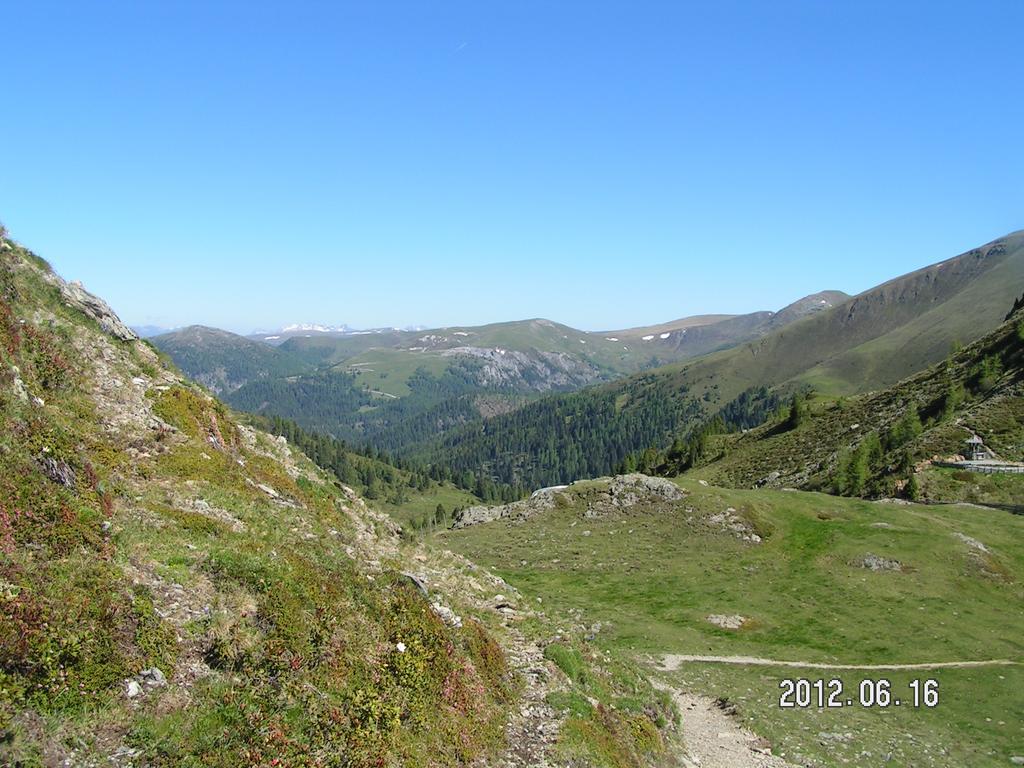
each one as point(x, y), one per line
point(153, 677)
point(734, 621)
point(400, 647)
point(971, 542)
point(132, 689)
point(1017, 760)
point(879, 563)
point(268, 490)
point(826, 738)
point(417, 582)
point(447, 615)
point(204, 508)
point(20, 390)
point(730, 522)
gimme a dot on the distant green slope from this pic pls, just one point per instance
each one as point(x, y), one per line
point(904, 324)
point(986, 292)
point(224, 361)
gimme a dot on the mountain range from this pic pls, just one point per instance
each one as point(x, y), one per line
point(534, 402)
point(867, 342)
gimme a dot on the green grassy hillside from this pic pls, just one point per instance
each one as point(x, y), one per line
point(889, 436)
point(811, 578)
point(180, 589)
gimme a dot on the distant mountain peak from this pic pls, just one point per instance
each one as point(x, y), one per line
point(316, 328)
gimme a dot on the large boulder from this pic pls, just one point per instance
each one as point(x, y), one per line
point(93, 306)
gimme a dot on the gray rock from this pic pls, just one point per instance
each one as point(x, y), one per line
point(96, 308)
point(878, 563)
point(417, 582)
point(20, 391)
point(535, 370)
point(1017, 760)
point(153, 677)
point(601, 496)
point(132, 689)
point(448, 616)
point(57, 470)
point(971, 542)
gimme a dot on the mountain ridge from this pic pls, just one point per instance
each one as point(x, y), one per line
point(906, 323)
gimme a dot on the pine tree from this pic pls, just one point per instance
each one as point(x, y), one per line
point(798, 410)
point(912, 489)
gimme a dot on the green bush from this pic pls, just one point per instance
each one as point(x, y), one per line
point(568, 660)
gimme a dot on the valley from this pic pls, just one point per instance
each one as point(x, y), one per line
point(816, 581)
point(512, 385)
point(383, 387)
point(624, 621)
point(534, 403)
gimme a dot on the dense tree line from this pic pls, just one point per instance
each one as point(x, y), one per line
point(321, 402)
point(566, 437)
point(334, 403)
point(692, 448)
point(374, 473)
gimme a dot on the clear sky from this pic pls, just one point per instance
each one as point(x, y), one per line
point(602, 164)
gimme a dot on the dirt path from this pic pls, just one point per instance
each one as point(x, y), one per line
point(712, 738)
point(672, 661)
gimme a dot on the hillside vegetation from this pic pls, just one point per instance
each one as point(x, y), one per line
point(882, 443)
point(156, 553)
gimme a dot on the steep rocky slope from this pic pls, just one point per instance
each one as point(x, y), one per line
point(179, 589)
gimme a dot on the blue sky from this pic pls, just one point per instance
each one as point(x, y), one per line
point(601, 164)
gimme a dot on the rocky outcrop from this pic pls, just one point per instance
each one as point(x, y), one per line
point(76, 296)
point(57, 470)
point(599, 497)
point(536, 370)
point(879, 563)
